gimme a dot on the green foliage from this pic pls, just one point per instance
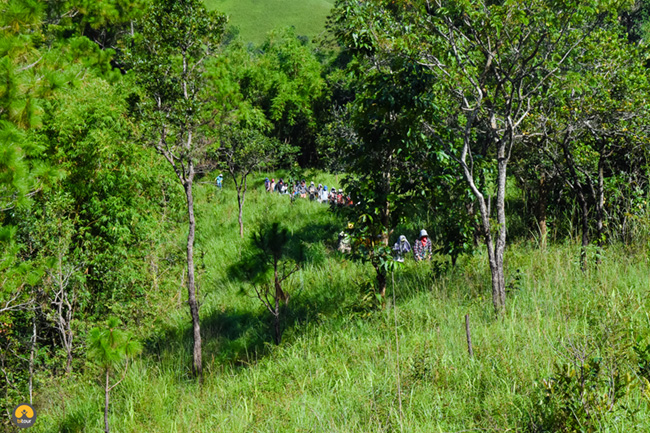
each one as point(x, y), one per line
point(583, 396)
point(346, 360)
point(271, 241)
point(109, 346)
point(280, 79)
point(111, 183)
point(81, 199)
point(273, 253)
point(168, 57)
point(642, 351)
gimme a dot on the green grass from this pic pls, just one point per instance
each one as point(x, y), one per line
point(339, 368)
point(255, 18)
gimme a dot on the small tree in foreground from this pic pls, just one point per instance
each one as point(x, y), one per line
point(111, 349)
point(272, 253)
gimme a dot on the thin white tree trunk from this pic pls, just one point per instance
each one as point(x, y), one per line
point(191, 287)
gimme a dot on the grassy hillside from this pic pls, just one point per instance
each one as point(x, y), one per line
point(255, 18)
point(344, 367)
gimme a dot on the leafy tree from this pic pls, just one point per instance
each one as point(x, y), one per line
point(492, 62)
point(282, 79)
point(62, 264)
point(168, 57)
point(636, 21)
point(70, 193)
point(594, 129)
point(109, 348)
point(243, 151)
point(26, 81)
point(387, 152)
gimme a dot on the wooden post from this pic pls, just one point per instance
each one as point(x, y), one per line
point(469, 336)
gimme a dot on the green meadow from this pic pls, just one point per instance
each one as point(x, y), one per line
point(346, 366)
point(255, 18)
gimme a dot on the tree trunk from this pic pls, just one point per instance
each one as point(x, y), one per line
point(495, 250)
point(240, 202)
point(381, 281)
point(541, 210)
point(276, 322)
point(600, 204)
point(468, 334)
point(280, 295)
point(68, 363)
point(191, 290)
point(385, 211)
point(582, 200)
point(500, 247)
point(31, 359)
point(584, 216)
point(106, 394)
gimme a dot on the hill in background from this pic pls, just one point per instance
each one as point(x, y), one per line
point(255, 18)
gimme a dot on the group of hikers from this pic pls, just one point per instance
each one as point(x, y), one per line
point(421, 247)
point(300, 189)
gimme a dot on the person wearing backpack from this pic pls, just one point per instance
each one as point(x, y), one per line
point(401, 248)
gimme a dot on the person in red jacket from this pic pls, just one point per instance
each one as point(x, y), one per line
point(422, 247)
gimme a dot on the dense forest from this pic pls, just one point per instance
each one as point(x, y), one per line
point(150, 281)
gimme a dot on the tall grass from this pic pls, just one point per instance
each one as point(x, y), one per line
point(340, 367)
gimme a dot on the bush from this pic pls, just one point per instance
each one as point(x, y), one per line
point(585, 393)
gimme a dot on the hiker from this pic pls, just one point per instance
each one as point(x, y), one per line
point(324, 195)
point(303, 189)
point(401, 248)
point(272, 186)
point(312, 191)
point(344, 245)
point(422, 247)
point(333, 198)
point(278, 187)
point(267, 184)
point(294, 192)
point(219, 181)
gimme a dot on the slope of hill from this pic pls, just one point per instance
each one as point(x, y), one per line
point(255, 18)
point(346, 367)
